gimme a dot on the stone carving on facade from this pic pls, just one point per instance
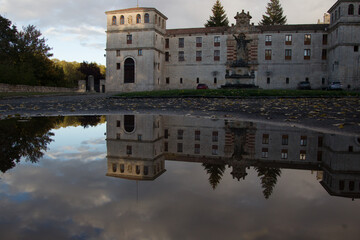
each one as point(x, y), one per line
point(241, 49)
point(130, 19)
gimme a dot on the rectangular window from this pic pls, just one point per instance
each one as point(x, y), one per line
point(167, 43)
point(215, 80)
point(217, 41)
point(198, 56)
point(268, 40)
point(341, 185)
point(285, 140)
point(146, 170)
point(215, 136)
point(303, 140)
point(216, 55)
point(166, 133)
point(197, 149)
point(319, 156)
point(140, 52)
point(351, 185)
point(181, 42)
point(324, 54)
point(139, 137)
point(264, 153)
point(265, 139)
point(307, 39)
point(197, 80)
point(197, 135)
point(179, 147)
point(118, 123)
point(167, 80)
point(181, 56)
point(307, 54)
point(198, 41)
point(287, 80)
point(181, 80)
point(325, 39)
point(167, 56)
point(118, 66)
point(268, 54)
point(122, 168)
point(320, 141)
point(268, 80)
point(128, 150)
point(129, 39)
point(284, 154)
point(288, 54)
point(180, 134)
point(351, 148)
point(118, 136)
point(214, 150)
point(302, 155)
point(288, 39)
point(118, 53)
point(166, 146)
point(356, 48)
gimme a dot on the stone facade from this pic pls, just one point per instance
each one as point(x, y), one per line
point(143, 55)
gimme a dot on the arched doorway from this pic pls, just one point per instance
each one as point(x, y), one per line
point(129, 71)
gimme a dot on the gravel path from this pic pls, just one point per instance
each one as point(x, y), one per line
point(341, 114)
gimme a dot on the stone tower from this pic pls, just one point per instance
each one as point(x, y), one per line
point(134, 49)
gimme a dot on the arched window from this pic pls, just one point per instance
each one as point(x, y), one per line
point(138, 18)
point(129, 71)
point(113, 20)
point(129, 123)
point(351, 9)
point(122, 19)
point(146, 18)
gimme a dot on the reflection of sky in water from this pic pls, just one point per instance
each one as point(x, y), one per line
point(73, 199)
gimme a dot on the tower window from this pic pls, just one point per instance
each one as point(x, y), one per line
point(181, 56)
point(118, 66)
point(288, 54)
point(288, 39)
point(167, 56)
point(166, 43)
point(198, 41)
point(287, 80)
point(122, 19)
point(216, 55)
point(181, 42)
point(198, 56)
point(113, 20)
point(268, 54)
point(129, 39)
point(351, 9)
point(167, 80)
point(181, 80)
point(138, 18)
point(356, 48)
point(268, 80)
point(307, 54)
point(146, 18)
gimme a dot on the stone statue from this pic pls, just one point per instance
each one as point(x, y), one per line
point(242, 52)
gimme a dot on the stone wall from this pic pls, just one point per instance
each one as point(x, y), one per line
point(25, 88)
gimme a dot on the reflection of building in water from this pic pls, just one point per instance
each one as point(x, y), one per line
point(134, 147)
point(138, 145)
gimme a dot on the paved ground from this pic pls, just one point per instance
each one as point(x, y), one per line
point(340, 114)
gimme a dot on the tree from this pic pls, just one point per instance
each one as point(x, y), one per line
point(274, 14)
point(92, 69)
point(268, 178)
point(216, 172)
point(219, 18)
point(8, 40)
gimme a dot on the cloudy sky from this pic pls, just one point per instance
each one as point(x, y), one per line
point(76, 29)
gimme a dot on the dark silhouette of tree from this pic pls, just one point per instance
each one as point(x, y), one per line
point(8, 40)
point(87, 121)
point(268, 178)
point(92, 69)
point(219, 18)
point(24, 139)
point(216, 172)
point(274, 14)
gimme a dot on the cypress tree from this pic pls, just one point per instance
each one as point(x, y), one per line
point(274, 14)
point(219, 17)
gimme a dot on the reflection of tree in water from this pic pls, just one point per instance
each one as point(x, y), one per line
point(268, 178)
point(216, 172)
point(28, 139)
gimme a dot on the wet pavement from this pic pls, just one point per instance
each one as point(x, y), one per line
point(340, 114)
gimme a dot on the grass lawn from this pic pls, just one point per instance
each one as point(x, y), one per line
point(240, 93)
